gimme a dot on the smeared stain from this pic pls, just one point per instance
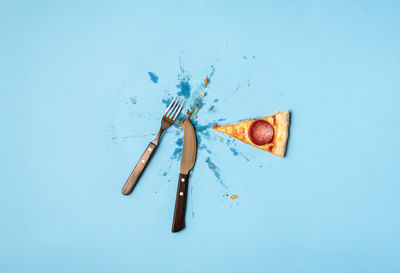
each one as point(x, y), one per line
point(215, 171)
point(133, 100)
point(153, 77)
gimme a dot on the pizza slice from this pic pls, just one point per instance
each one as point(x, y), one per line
point(269, 133)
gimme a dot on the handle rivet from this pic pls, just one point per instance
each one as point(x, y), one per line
point(183, 179)
point(149, 149)
point(181, 193)
point(142, 160)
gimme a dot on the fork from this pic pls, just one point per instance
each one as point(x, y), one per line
point(169, 117)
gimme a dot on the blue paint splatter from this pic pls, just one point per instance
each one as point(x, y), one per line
point(204, 147)
point(184, 87)
point(191, 201)
point(133, 100)
point(233, 150)
point(216, 100)
point(215, 171)
point(166, 102)
point(176, 154)
point(153, 77)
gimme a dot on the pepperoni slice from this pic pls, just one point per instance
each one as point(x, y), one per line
point(261, 132)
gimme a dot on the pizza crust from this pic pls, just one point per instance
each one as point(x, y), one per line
point(280, 123)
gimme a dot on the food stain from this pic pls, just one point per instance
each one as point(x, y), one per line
point(153, 77)
point(206, 83)
point(231, 196)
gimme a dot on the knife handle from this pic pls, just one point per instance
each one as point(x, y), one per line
point(180, 203)
point(138, 170)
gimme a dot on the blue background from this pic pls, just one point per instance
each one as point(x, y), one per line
point(78, 108)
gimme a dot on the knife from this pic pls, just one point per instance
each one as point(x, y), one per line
point(187, 162)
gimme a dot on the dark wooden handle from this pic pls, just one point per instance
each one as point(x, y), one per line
point(180, 203)
point(138, 170)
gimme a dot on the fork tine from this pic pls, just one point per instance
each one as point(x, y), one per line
point(173, 111)
point(170, 105)
point(179, 111)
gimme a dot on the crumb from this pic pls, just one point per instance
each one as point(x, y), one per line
point(195, 117)
point(234, 196)
point(248, 85)
point(211, 108)
point(206, 83)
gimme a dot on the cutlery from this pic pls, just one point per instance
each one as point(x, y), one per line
point(169, 117)
point(187, 162)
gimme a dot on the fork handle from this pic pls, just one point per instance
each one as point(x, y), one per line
point(178, 222)
point(138, 170)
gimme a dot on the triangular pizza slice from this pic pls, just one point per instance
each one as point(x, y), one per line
point(269, 134)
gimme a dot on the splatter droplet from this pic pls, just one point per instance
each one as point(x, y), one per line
point(153, 77)
point(233, 150)
point(234, 196)
point(133, 100)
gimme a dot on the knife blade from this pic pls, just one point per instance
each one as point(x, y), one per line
point(188, 159)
